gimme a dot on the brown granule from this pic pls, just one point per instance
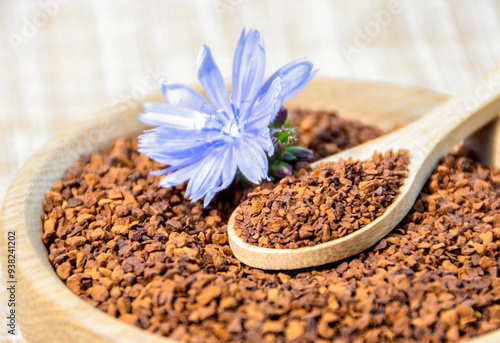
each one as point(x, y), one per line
point(326, 133)
point(332, 201)
point(148, 257)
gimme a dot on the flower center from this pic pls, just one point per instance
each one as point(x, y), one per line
point(233, 130)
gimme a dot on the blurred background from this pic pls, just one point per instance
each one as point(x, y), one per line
point(63, 60)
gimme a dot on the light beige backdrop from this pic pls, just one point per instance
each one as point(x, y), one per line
point(62, 60)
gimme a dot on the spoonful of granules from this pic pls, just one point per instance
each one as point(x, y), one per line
point(342, 208)
point(332, 201)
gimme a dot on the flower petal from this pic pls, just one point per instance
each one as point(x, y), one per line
point(180, 163)
point(179, 176)
point(248, 68)
point(161, 114)
point(229, 170)
point(208, 175)
point(209, 197)
point(263, 139)
point(175, 147)
point(212, 179)
point(263, 161)
point(165, 134)
point(177, 94)
point(295, 76)
point(251, 161)
point(213, 83)
point(162, 154)
point(167, 160)
point(160, 141)
point(265, 107)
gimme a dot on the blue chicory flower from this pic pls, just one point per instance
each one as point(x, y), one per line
point(206, 143)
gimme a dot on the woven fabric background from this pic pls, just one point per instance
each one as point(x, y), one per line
point(62, 60)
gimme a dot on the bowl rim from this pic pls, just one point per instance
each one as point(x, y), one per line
point(33, 271)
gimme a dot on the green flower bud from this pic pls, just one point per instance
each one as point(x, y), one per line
point(300, 153)
point(281, 170)
point(281, 118)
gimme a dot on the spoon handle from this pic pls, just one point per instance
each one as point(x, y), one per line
point(436, 133)
point(432, 136)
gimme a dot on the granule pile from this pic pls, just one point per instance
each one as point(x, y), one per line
point(149, 257)
point(332, 201)
point(326, 133)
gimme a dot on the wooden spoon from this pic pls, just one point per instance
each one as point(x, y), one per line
point(428, 139)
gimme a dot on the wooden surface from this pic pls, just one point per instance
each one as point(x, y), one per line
point(427, 139)
point(48, 311)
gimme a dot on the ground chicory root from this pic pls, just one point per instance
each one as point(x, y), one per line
point(330, 202)
point(151, 258)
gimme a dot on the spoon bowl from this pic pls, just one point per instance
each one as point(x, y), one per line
point(427, 139)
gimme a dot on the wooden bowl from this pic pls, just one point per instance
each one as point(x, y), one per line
point(47, 311)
